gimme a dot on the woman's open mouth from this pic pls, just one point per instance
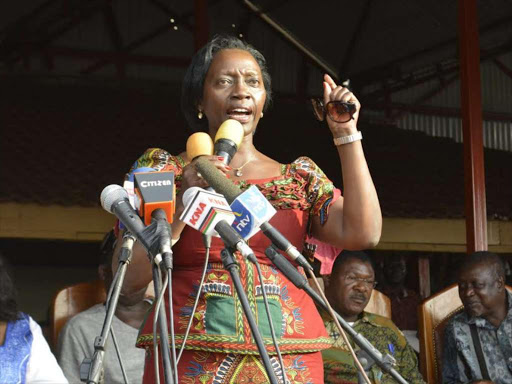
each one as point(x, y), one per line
point(243, 115)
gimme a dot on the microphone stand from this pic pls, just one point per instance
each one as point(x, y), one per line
point(91, 369)
point(230, 264)
point(162, 325)
point(165, 254)
point(385, 362)
point(366, 362)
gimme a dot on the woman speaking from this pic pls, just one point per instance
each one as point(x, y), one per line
point(229, 79)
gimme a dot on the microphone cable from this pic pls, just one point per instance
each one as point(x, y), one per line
point(171, 326)
point(270, 323)
point(196, 302)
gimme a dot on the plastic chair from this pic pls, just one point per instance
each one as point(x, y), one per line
point(379, 304)
point(72, 300)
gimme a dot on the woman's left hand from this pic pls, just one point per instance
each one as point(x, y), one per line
point(337, 92)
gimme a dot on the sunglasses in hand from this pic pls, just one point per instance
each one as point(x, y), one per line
point(337, 110)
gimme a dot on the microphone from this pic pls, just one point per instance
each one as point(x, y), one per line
point(156, 238)
point(231, 192)
point(114, 199)
point(199, 144)
point(228, 139)
point(204, 209)
point(209, 213)
point(233, 240)
point(252, 210)
point(155, 190)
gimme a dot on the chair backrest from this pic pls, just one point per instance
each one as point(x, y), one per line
point(72, 300)
point(380, 304)
point(433, 316)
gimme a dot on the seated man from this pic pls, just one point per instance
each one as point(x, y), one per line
point(76, 341)
point(348, 291)
point(478, 341)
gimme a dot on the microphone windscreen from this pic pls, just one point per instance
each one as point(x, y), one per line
point(199, 144)
point(231, 130)
point(110, 194)
point(189, 194)
point(216, 179)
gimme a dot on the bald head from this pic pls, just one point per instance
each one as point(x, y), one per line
point(481, 284)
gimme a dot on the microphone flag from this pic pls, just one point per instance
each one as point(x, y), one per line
point(130, 188)
point(251, 209)
point(204, 209)
point(155, 190)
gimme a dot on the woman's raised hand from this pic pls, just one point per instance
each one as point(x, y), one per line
point(333, 92)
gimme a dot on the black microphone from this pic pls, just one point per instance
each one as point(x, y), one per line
point(233, 240)
point(223, 185)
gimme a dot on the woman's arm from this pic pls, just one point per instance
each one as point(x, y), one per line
point(355, 220)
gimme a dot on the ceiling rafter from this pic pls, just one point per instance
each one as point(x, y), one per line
point(389, 69)
point(506, 70)
point(46, 37)
point(356, 36)
point(115, 36)
point(164, 28)
point(412, 79)
point(169, 12)
point(435, 110)
point(110, 56)
point(28, 17)
point(443, 84)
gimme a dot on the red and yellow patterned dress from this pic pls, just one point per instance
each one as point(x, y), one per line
point(219, 348)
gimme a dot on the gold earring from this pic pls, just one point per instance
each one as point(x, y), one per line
point(200, 114)
point(261, 117)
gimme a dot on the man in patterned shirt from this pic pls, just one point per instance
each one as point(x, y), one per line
point(348, 290)
point(486, 321)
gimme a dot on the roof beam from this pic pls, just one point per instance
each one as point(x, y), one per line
point(164, 28)
point(389, 69)
point(201, 30)
point(411, 80)
point(48, 37)
point(433, 110)
point(115, 36)
point(290, 38)
point(506, 70)
point(179, 19)
point(443, 84)
point(28, 17)
point(350, 51)
point(123, 57)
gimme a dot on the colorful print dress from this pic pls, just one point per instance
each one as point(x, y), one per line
point(219, 348)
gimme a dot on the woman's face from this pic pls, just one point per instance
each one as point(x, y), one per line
point(233, 89)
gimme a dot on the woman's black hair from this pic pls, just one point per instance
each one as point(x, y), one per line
point(193, 82)
point(8, 302)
